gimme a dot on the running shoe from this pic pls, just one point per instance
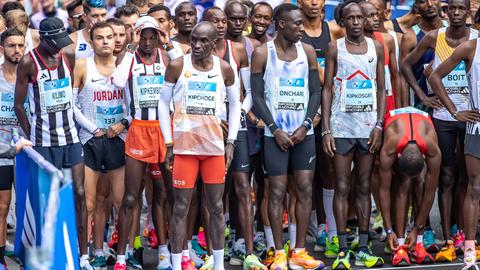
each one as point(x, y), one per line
point(208, 265)
point(469, 260)
point(378, 224)
point(351, 233)
point(152, 239)
point(202, 241)
point(286, 248)
point(187, 264)
point(113, 240)
point(228, 250)
point(201, 252)
point(109, 254)
point(429, 241)
point(331, 248)
point(86, 266)
point(321, 242)
point(259, 245)
point(400, 257)
point(120, 266)
point(138, 255)
point(302, 260)
point(459, 241)
point(164, 262)
point(99, 262)
point(477, 250)
point(343, 260)
point(238, 253)
point(364, 257)
point(453, 230)
point(269, 257)
point(252, 262)
point(447, 253)
point(279, 262)
point(198, 262)
point(132, 263)
point(420, 255)
point(356, 241)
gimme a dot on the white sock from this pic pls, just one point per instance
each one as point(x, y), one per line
point(320, 229)
point(328, 206)
point(99, 252)
point(292, 234)
point(401, 241)
point(420, 239)
point(121, 259)
point(185, 253)
point(177, 261)
point(218, 260)
point(189, 245)
point(269, 236)
point(163, 249)
point(84, 259)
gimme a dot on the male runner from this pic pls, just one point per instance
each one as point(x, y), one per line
point(141, 73)
point(94, 11)
point(352, 124)
point(120, 38)
point(449, 130)
point(46, 72)
point(129, 15)
point(286, 92)
point(261, 18)
point(75, 15)
point(409, 142)
point(12, 46)
point(185, 20)
point(102, 134)
point(197, 84)
point(469, 53)
point(164, 19)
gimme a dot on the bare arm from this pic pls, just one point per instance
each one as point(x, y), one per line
point(387, 159)
point(380, 81)
point(25, 71)
point(394, 74)
point(327, 96)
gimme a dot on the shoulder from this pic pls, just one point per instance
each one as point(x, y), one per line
point(74, 36)
point(237, 47)
point(224, 65)
point(262, 49)
point(176, 63)
point(255, 42)
point(308, 48)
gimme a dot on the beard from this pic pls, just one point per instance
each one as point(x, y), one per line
point(12, 60)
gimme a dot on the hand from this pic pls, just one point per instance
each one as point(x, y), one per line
point(432, 102)
point(99, 133)
point(468, 116)
point(282, 139)
point(229, 149)
point(316, 120)
point(261, 124)
point(163, 36)
point(115, 130)
point(21, 144)
point(299, 135)
point(427, 71)
point(392, 241)
point(375, 140)
point(411, 240)
point(135, 38)
point(329, 145)
point(224, 126)
point(168, 163)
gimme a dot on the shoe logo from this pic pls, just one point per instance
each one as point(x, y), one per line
point(370, 60)
point(212, 76)
point(311, 159)
point(97, 80)
point(244, 166)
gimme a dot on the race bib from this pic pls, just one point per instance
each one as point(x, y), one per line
point(291, 94)
point(388, 82)
point(107, 116)
point(408, 110)
point(56, 95)
point(456, 81)
point(321, 61)
point(147, 91)
point(7, 113)
point(200, 98)
point(358, 96)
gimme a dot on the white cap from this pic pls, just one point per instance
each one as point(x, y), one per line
point(146, 22)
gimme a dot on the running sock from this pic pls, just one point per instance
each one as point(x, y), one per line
point(186, 253)
point(292, 233)
point(469, 244)
point(269, 236)
point(328, 205)
point(163, 249)
point(177, 261)
point(320, 229)
point(363, 239)
point(2, 254)
point(84, 260)
point(342, 240)
point(218, 260)
point(137, 243)
point(420, 239)
point(401, 241)
point(121, 259)
point(99, 252)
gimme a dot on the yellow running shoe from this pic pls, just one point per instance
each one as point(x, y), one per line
point(280, 261)
point(269, 257)
point(447, 253)
point(302, 260)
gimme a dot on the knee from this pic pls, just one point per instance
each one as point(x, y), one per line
point(474, 188)
point(362, 187)
point(447, 180)
point(243, 191)
point(276, 196)
point(304, 192)
point(130, 200)
point(216, 208)
point(4, 210)
point(342, 188)
point(91, 203)
point(180, 209)
point(80, 193)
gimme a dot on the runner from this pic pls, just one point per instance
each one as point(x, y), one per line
point(209, 78)
point(120, 38)
point(261, 18)
point(164, 19)
point(141, 73)
point(469, 53)
point(12, 47)
point(75, 14)
point(94, 11)
point(409, 141)
point(354, 126)
point(185, 19)
point(129, 15)
point(443, 42)
point(102, 133)
point(52, 128)
point(286, 85)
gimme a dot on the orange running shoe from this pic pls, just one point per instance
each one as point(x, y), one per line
point(400, 257)
point(420, 255)
point(279, 262)
point(302, 260)
point(447, 253)
point(269, 257)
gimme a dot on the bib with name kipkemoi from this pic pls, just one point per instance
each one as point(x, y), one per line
point(200, 98)
point(55, 95)
point(291, 94)
point(358, 96)
point(147, 91)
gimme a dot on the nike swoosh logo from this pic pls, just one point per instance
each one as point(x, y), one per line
point(244, 166)
point(137, 69)
point(311, 159)
point(370, 60)
point(212, 76)
point(96, 80)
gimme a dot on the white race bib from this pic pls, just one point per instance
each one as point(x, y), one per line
point(7, 113)
point(200, 98)
point(358, 96)
point(56, 95)
point(107, 116)
point(291, 94)
point(147, 91)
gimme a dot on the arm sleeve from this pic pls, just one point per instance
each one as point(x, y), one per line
point(234, 108)
point(247, 101)
point(7, 151)
point(315, 91)
point(79, 117)
point(174, 54)
point(164, 111)
point(258, 94)
point(122, 72)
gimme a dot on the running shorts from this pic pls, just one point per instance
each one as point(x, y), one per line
point(186, 168)
point(345, 146)
point(241, 158)
point(145, 142)
point(104, 154)
point(154, 171)
point(472, 145)
point(6, 177)
point(62, 157)
point(448, 132)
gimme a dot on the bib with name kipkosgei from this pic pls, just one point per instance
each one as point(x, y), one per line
point(456, 81)
point(291, 94)
point(358, 96)
point(147, 91)
point(56, 95)
point(107, 116)
point(200, 98)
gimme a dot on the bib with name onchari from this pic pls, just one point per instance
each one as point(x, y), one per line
point(358, 96)
point(107, 116)
point(291, 94)
point(456, 81)
point(200, 98)
point(7, 113)
point(147, 91)
point(55, 95)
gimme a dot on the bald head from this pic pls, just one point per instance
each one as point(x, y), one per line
point(211, 12)
point(235, 6)
point(205, 29)
point(202, 40)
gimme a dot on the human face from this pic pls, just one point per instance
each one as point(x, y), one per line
point(94, 16)
point(148, 40)
point(120, 37)
point(372, 17)
point(186, 18)
point(152, 3)
point(291, 27)
point(13, 49)
point(236, 19)
point(75, 17)
point(428, 9)
point(218, 18)
point(47, 5)
point(162, 18)
point(261, 19)
point(312, 9)
point(129, 22)
point(353, 20)
point(458, 12)
point(201, 43)
point(103, 42)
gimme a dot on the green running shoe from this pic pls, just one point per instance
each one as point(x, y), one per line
point(99, 263)
point(331, 249)
point(252, 262)
point(343, 260)
point(364, 257)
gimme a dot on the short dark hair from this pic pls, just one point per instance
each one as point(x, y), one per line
point(115, 21)
point(230, 3)
point(73, 5)
point(184, 3)
point(280, 10)
point(11, 6)
point(10, 32)
point(126, 10)
point(99, 25)
point(89, 4)
point(210, 9)
point(411, 161)
point(262, 3)
point(138, 3)
point(160, 7)
point(340, 8)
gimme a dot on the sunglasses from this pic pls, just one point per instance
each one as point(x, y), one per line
point(77, 16)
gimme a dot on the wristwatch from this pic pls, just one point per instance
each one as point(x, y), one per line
point(168, 46)
point(131, 48)
point(307, 124)
point(125, 123)
point(389, 231)
point(454, 115)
